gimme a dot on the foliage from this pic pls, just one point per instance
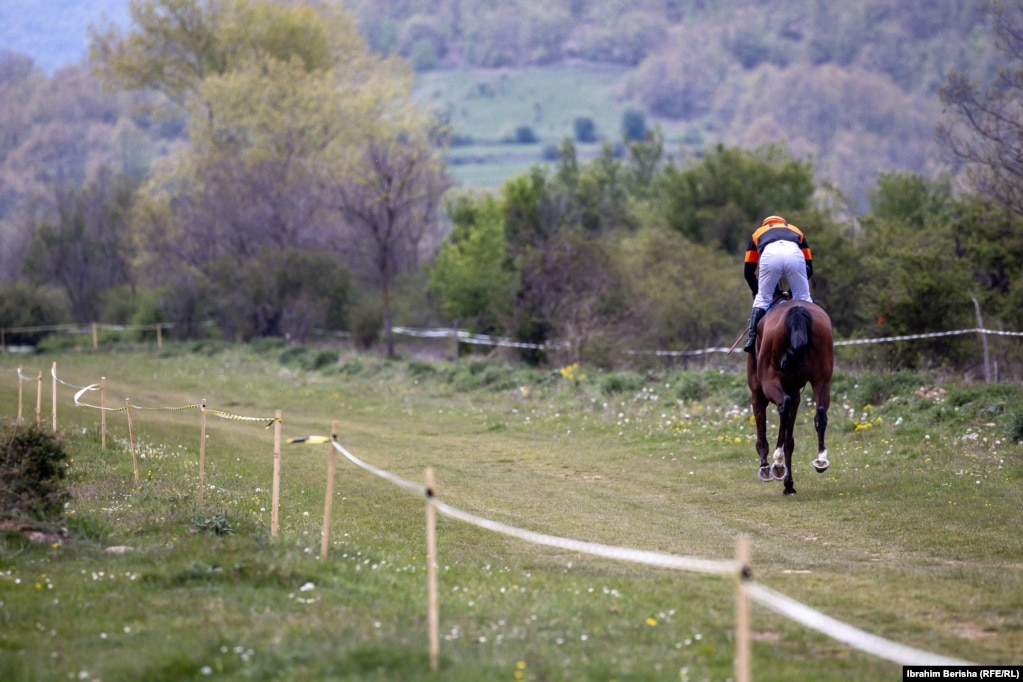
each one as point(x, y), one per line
point(278, 292)
point(33, 472)
point(24, 305)
point(367, 320)
point(86, 250)
point(913, 284)
point(585, 129)
point(716, 199)
point(984, 125)
point(216, 524)
point(470, 272)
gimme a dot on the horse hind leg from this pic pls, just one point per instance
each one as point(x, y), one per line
point(820, 422)
point(780, 469)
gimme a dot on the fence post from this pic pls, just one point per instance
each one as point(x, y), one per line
point(202, 453)
point(95, 336)
point(103, 412)
point(329, 501)
point(131, 441)
point(276, 494)
point(742, 620)
point(53, 373)
point(21, 392)
point(39, 399)
point(433, 606)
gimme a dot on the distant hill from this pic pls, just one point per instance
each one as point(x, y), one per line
point(54, 32)
point(852, 85)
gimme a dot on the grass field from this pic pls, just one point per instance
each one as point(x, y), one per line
point(484, 105)
point(913, 534)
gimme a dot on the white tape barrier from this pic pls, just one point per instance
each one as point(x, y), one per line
point(477, 339)
point(482, 339)
point(854, 637)
point(776, 601)
point(693, 564)
point(607, 551)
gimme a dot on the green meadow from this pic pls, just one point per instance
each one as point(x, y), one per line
point(485, 106)
point(912, 535)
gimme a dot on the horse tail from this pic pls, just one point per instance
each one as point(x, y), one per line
point(798, 320)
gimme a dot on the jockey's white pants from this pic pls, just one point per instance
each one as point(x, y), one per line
point(782, 259)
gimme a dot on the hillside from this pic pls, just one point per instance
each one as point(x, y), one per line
point(851, 85)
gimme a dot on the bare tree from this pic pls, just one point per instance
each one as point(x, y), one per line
point(984, 124)
point(84, 250)
point(389, 205)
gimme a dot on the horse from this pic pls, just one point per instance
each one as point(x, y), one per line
point(794, 346)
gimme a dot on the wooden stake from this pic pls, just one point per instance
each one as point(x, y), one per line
point(159, 336)
point(742, 619)
point(328, 502)
point(39, 400)
point(433, 612)
point(103, 412)
point(95, 336)
point(53, 373)
point(131, 441)
point(202, 454)
point(21, 392)
point(276, 496)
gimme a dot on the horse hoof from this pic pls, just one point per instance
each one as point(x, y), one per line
point(765, 474)
point(778, 472)
point(790, 491)
point(820, 465)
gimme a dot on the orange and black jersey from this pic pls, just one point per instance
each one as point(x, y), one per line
point(768, 234)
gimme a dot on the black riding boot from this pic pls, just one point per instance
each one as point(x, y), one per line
point(751, 340)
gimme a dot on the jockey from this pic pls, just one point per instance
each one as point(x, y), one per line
point(775, 250)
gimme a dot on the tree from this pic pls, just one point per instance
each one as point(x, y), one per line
point(470, 273)
point(175, 45)
point(984, 125)
point(681, 295)
point(914, 281)
point(86, 250)
point(718, 199)
point(389, 198)
point(293, 124)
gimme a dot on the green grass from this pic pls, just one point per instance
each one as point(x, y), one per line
point(485, 104)
point(913, 534)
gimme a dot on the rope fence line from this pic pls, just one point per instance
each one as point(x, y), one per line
point(503, 342)
point(776, 601)
point(845, 633)
point(482, 339)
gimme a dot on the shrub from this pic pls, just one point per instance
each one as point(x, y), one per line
point(522, 134)
point(585, 129)
point(33, 468)
point(22, 305)
point(634, 124)
point(620, 382)
point(367, 322)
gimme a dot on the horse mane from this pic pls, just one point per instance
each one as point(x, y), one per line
point(798, 321)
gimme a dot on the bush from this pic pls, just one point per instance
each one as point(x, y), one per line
point(22, 305)
point(634, 124)
point(367, 322)
point(585, 129)
point(33, 468)
point(522, 134)
point(620, 382)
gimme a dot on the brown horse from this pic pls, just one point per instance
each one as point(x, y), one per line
point(794, 347)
